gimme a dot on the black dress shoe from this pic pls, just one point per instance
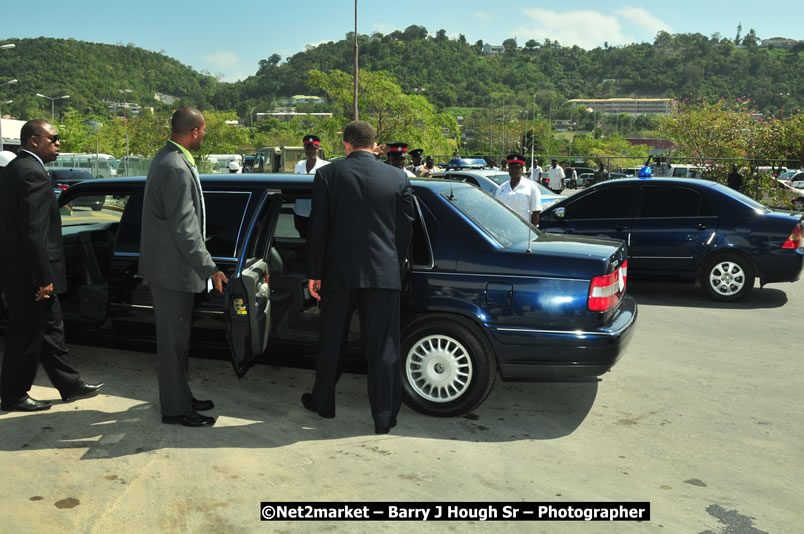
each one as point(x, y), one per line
point(25, 404)
point(202, 405)
point(82, 391)
point(191, 419)
point(309, 403)
point(384, 429)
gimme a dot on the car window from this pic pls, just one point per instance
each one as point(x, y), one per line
point(494, 218)
point(286, 224)
point(224, 215)
point(669, 201)
point(93, 209)
point(604, 203)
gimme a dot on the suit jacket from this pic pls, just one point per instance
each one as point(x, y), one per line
point(360, 225)
point(30, 227)
point(172, 249)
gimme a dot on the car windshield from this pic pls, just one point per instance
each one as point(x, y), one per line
point(494, 218)
point(797, 185)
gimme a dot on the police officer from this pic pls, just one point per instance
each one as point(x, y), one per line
point(396, 157)
point(417, 162)
point(312, 162)
point(302, 207)
point(520, 194)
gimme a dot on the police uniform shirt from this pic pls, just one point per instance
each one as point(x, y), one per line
point(410, 174)
point(535, 173)
point(302, 207)
point(555, 175)
point(523, 195)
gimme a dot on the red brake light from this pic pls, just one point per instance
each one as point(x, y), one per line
point(606, 291)
point(794, 239)
point(62, 187)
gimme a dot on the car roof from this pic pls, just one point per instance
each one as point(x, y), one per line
point(285, 181)
point(70, 173)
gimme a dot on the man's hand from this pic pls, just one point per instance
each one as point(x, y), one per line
point(44, 292)
point(315, 287)
point(218, 279)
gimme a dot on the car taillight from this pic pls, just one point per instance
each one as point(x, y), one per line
point(794, 239)
point(62, 187)
point(606, 291)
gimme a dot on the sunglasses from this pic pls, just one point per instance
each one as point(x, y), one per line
point(53, 138)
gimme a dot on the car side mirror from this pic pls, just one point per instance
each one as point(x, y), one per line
point(559, 213)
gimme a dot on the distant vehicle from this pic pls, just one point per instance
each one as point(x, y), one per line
point(568, 182)
point(789, 176)
point(277, 159)
point(684, 229)
point(686, 171)
point(100, 165)
point(63, 179)
point(219, 163)
point(466, 163)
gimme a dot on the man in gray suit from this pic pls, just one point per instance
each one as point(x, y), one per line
point(175, 262)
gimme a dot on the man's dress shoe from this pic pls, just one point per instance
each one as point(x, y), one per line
point(309, 403)
point(25, 404)
point(82, 391)
point(202, 405)
point(191, 419)
point(384, 429)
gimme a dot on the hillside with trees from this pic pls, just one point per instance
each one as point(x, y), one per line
point(448, 72)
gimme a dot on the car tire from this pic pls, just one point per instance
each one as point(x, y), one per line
point(448, 366)
point(727, 277)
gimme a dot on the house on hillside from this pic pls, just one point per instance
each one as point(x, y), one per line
point(492, 49)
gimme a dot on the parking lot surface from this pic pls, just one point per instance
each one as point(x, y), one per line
point(701, 417)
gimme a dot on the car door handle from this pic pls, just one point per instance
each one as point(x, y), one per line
point(621, 228)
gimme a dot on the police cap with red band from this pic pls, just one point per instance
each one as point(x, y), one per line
point(397, 148)
point(515, 158)
point(311, 140)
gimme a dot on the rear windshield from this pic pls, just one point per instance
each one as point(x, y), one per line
point(494, 218)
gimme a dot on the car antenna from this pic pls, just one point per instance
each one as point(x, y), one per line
point(530, 215)
point(451, 194)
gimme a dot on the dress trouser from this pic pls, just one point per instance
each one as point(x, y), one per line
point(34, 334)
point(379, 326)
point(173, 312)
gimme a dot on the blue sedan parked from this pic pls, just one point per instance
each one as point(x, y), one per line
point(687, 229)
point(488, 292)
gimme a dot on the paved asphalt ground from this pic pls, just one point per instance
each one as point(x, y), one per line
point(702, 418)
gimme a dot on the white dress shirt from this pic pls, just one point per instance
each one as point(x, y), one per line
point(524, 199)
point(303, 207)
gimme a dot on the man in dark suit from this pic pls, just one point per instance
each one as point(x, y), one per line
point(32, 273)
point(175, 262)
point(358, 237)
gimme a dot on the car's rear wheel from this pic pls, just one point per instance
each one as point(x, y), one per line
point(448, 366)
point(727, 277)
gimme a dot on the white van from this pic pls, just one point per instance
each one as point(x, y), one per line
point(99, 165)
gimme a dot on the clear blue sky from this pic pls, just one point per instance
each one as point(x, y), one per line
point(229, 38)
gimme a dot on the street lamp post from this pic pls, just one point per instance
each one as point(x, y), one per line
point(125, 116)
point(53, 104)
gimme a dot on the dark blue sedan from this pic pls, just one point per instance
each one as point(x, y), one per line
point(488, 292)
point(687, 229)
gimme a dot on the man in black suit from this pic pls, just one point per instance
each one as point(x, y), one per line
point(32, 273)
point(358, 237)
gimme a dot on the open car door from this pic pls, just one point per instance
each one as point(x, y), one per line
point(247, 296)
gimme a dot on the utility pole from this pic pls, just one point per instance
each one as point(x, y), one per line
point(356, 114)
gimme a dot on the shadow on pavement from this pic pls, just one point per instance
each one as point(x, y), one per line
point(263, 410)
point(684, 294)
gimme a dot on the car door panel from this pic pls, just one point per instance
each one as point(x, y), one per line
point(674, 227)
